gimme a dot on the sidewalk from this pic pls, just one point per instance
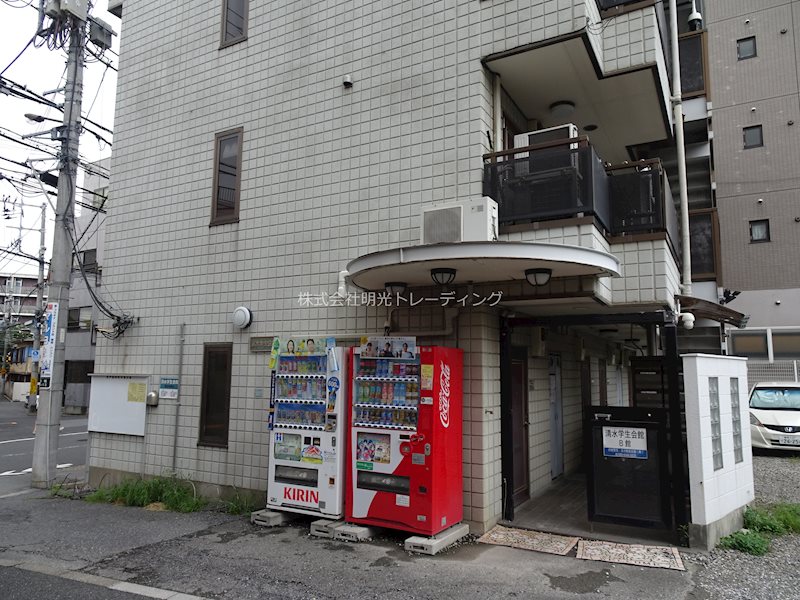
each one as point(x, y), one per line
point(213, 555)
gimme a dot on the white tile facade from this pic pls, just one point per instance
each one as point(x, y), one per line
point(328, 174)
point(716, 492)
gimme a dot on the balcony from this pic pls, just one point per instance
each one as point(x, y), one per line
point(566, 179)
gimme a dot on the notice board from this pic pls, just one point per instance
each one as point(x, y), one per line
point(118, 404)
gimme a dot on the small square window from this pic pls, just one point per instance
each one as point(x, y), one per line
point(746, 48)
point(759, 231)
point(753, 137)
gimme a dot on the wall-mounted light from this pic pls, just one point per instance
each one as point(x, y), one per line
point(395, 288)
point(347, 81)
point(538, 276)
point(242, 317)
point(562, 109)
point(443, 276)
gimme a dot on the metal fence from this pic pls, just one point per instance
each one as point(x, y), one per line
point(779, 370)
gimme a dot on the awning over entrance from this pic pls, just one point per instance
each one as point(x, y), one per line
point(478, 262)
point(703, 309)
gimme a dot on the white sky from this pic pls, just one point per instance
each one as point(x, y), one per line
point(40, 70)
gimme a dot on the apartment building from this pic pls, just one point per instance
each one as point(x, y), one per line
point(754, 76)
point(300, 160)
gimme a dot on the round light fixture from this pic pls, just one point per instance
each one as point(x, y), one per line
point(443, 276)
point(395, 288)
point(562, 109)
point(538, 276)
point(242, 317)
point(590, 127)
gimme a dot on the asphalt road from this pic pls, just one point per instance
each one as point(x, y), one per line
point(20, 584)
point(16, 446)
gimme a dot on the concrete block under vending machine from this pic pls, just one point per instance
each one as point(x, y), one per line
point(269, 518)
point(435, 544)
point(325, 528)
point(353, 533)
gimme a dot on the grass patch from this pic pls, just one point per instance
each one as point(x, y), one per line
point(749, 542)
point(762, 524)
point(763, 521)
point(176, 494)
point(240, 504)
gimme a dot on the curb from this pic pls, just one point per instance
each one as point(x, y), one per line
point(106, 582)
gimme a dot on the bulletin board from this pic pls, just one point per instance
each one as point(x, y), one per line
point(118, 404)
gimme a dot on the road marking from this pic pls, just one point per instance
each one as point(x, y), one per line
point(33, 438)
point(11, 495)
point(30, 469)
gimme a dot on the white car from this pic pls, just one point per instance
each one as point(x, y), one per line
point(775, 415)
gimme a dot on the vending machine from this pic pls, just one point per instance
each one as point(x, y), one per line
point(308, 429)
point(404, 458)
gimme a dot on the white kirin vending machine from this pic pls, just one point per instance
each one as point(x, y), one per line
point(307, 441)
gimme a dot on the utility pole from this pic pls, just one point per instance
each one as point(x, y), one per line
point(37, 320)
point(48, 418)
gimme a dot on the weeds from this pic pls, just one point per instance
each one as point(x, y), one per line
point(176, 494)
point(761, 524)
point(749, 542)
point(240, 505)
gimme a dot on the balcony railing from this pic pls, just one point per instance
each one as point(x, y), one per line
point(565, 179)
point(553, 180)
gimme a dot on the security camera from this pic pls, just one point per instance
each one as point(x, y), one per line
point(695, 19)
point(688, 320)
point(347, 81)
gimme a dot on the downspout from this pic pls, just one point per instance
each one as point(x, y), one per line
point(181, 343)
point(677, 112)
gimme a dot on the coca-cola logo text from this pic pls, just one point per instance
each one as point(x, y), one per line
point(444, 394)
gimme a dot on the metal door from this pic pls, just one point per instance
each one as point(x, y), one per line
point(628, 477)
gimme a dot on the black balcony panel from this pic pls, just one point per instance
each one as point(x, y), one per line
point(551, 183)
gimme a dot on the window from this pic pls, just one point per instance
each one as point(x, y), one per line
point(746, 48)
point(216, 395)
point(759, 231)
point(751, 345)
point(753, 137)
point(227, 177)
point(79, 318)
point(786, 344)
point(234, 22)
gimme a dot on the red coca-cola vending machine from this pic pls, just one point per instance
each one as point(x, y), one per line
point(404, 458)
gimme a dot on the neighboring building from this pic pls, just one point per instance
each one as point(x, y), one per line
point(253, 165)
point(19, 304)
point(753, 68)
point(83, 313)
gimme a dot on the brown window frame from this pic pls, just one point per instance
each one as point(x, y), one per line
point(219, 439)
point(218, 139)
point(739, 55)
point(702, 34)
point(223, 42)
point(717, 274)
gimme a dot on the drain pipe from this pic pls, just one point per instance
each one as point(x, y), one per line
point(677, 112)
point(498, 113)
point(181, 343)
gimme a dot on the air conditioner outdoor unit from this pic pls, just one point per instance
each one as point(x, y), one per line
point(558, 157)
point(467, 221)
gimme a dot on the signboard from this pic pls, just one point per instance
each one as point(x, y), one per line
point(168, 388)
point(48, 341)
point(625, 442)
point(260, 344)
point(389, 347)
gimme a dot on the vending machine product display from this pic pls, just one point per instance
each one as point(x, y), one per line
point(404, 460)
point(306, 467)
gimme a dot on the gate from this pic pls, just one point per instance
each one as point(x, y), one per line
point(628, 479)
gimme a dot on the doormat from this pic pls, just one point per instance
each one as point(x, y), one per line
point(529, 540)
point(662, 557)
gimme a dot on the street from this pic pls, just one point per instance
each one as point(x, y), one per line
point(16, 447)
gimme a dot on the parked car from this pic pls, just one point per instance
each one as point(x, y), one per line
point(775, 415)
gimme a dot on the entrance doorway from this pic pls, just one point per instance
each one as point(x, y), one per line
point(519, 424)
point(556, 418)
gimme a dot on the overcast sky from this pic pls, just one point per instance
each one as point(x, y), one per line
point(41, 69)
